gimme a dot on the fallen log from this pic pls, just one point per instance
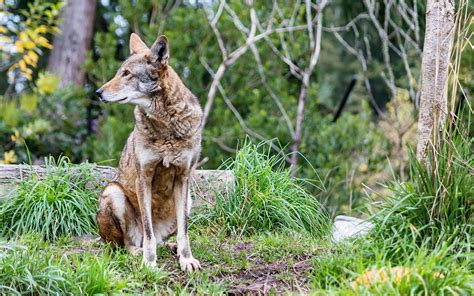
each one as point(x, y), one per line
point(205, 183)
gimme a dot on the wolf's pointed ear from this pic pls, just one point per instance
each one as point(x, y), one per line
point(136, 44)
point(159, 51)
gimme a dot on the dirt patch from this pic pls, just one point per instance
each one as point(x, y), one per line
point(243, 247)
point(264, 278)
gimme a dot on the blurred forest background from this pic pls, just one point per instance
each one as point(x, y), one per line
point(267, 70)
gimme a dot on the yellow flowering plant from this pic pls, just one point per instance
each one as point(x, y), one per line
point(9, 157)
point(22, 43)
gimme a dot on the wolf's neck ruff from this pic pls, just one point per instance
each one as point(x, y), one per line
point(172, 111)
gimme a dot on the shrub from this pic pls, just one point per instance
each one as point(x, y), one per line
point(49, 122)
point(265, 197)
point(346, 154)
point(63, 202)
point(114, 128)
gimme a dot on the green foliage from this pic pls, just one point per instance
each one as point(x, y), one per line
point(107, 144)
point(265, 198)
point(345, 155)
point(63, 202)
point(49, 120)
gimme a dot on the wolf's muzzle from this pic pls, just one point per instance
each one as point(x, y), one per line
point(98, 93)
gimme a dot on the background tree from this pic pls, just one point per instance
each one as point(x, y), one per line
point(435, 67)
point(72, 43)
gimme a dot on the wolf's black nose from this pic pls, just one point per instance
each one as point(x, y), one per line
point(98, 93)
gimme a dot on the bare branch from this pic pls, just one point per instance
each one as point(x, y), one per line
point(241, 121)
point(349, 25)
point(232, 57)
point(275, 98)
point(316, 49)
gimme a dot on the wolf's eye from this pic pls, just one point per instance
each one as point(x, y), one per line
point(125, 73)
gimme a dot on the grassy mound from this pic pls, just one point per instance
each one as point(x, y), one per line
point(265, 198)
point(63, 202)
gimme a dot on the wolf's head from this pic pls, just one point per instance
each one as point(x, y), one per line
point(138, 78)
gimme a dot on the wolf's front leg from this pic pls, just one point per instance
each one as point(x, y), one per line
point(181, 194)
point(143, 185)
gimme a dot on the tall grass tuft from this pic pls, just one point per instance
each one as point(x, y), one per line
point(435, 205)
point(63, 202)
point(265, 198)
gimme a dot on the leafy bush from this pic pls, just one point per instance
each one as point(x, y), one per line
point(265, 197)
point(50, 120)
point(346, 155)
point(113, 130)
point(63, 202)
point(27, 31)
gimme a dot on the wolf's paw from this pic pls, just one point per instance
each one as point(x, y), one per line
point(189, 264)
point(149, 258)
point(148, 264)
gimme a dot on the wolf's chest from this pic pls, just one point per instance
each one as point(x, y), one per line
point(168, 155)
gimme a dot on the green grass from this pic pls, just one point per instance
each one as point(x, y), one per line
point(428, 272)
point(278, 262)
point(34, 266)
point(265, 198)
point(435, 206)
point(64, 202)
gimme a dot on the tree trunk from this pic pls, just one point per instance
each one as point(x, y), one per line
point(439, 36)
point(71, 44)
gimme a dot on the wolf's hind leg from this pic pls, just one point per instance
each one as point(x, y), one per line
point(109, 215)
point(111, 218)
point(118, 221)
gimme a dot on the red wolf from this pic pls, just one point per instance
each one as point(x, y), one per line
point(149, 198)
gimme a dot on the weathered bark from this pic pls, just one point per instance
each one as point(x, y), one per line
point(439, 36)
point(204, 186)
point(71, 44)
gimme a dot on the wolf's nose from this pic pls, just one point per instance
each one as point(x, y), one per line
point(98, 93)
